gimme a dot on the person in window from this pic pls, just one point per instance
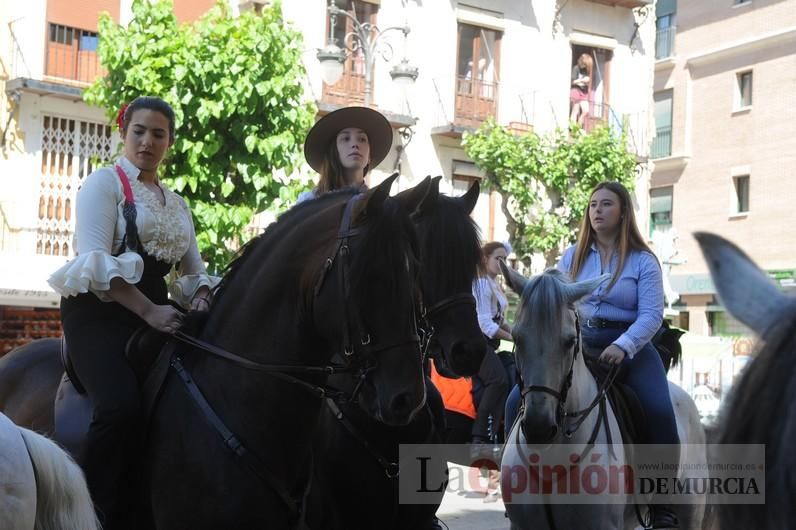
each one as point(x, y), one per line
point(344, 146)
point(130, 232)
point(491, 307)
point(580, 94)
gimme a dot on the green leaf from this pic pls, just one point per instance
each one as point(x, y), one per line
point(227, 187)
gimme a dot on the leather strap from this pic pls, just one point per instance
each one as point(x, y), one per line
point(231, 441)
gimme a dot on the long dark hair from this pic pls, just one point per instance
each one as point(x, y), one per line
point(629, 235)
point(332, 173)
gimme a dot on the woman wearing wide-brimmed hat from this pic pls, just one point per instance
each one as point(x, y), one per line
point(344, 146)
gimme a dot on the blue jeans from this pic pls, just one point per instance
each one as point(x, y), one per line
point(644, 374)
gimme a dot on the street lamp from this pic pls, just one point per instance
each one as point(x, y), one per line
point(365, 38)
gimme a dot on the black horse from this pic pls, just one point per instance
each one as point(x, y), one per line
point(356, 456)
point(331, 283)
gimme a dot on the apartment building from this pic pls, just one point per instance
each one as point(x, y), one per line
point(725, 118)
point(725, 113)
point(507, 59)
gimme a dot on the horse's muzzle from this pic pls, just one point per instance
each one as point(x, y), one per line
point(539, 431)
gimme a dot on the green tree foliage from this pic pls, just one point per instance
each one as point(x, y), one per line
point(236, 86)
point(545, 181)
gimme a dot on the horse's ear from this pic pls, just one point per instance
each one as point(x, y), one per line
point(379, 194)
point(746, 291)
point(430, 200)
point(576, 290)
point(419, 199)
point(471, 197)
point(515, 280)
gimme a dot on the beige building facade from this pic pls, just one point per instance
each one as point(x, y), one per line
point(725, 143)
point(725, 111)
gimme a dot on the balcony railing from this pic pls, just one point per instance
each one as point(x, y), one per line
point(68, 64)
point(664, 42)
point(475, 101)
point(662, 144)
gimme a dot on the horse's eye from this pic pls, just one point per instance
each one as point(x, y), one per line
point(570, 343)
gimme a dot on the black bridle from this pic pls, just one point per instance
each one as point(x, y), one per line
point(426, 327)
point(576, 417)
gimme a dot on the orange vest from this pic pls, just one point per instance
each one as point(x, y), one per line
point(457, 394)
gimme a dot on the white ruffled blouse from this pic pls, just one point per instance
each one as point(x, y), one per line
point(166, 233)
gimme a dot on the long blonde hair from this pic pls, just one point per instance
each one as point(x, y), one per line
point(629, 235)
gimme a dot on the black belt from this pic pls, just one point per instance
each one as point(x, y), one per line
point(606, 324)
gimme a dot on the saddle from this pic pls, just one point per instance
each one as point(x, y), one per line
point(149, 352)
point(627, 408)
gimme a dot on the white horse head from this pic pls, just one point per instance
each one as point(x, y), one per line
point(547, 339)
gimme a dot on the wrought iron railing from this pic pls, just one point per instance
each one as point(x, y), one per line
point(67, 63)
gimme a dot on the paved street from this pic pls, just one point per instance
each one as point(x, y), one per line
point(466, 510)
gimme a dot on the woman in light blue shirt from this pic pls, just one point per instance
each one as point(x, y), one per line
point(619, 319)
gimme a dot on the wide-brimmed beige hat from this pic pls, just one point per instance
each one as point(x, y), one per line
point(325, 130)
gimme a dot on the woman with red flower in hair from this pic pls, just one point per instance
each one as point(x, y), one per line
point(130, 232)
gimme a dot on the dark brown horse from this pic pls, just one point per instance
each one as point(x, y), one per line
point(335, 277)
point(357, 457)
point(760, 407)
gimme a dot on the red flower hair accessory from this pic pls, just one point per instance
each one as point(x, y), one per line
point(120, 116)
